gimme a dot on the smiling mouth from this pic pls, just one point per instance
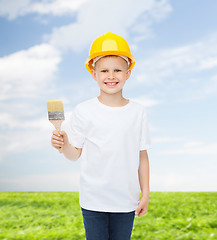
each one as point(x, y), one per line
point(111, 84)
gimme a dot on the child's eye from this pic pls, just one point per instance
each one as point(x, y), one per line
point(117, 70)
point(104, 71)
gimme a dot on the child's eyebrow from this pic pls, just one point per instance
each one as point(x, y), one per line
point(115, 68)
point(106, 69)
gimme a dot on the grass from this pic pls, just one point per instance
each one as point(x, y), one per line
point(57, 215)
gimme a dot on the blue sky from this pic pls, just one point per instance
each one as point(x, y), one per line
point(43, 47)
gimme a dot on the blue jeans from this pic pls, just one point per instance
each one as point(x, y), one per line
point(108, 225)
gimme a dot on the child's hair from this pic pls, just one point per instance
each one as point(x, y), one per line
point(95, 62)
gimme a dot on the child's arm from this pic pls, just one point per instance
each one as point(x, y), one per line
point(144, 183)
point(60, 139)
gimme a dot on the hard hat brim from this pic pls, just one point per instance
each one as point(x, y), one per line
point(89, 61)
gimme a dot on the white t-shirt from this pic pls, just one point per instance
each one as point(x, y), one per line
point(111, 139)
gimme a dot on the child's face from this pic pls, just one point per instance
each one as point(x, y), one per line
point(111, 69)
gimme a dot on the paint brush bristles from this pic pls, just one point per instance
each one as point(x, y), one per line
point(56, 114)
point(55, 110)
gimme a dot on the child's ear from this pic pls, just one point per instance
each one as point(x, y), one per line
point(128, 73)
point(93, 72)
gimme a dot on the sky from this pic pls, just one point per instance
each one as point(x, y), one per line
point(43, 47)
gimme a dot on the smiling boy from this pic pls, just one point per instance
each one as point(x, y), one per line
point(111, 73)
point(111, 135)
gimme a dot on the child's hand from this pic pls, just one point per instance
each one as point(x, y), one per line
point(143, 206)
point(59, 139)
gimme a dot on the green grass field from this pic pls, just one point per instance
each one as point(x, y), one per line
point(57, 215)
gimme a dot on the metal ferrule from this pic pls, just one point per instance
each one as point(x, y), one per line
point(56, 115)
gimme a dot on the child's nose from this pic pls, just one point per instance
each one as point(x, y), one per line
point(111, 75)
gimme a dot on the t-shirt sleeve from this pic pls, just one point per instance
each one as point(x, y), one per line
point(75, 129)
point(145, 140)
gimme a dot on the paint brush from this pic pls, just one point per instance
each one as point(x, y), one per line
point(56, 114)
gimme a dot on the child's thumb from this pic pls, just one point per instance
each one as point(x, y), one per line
point(62, 133)
point(137, 211)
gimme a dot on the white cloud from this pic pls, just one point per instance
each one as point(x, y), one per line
point(167, 139)
point(17, 8)
point(172, 70)
point(49, 182)
point(104, 16)
point(200, 180)
point(20, 121)
point(24, 141)
point(25, 73)
point(24, 77)
point(56, 7)
point(146, 101)
point(69, 181)
point(211, 87)
point(12, 9)
point(190, 148)
point(191, 58)
point(25, 134)
point(193, 144)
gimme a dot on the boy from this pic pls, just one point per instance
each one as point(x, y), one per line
point(112, 135)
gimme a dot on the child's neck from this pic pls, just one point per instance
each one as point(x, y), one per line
point(113, 102)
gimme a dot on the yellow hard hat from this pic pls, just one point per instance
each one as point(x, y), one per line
point(109, 44)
